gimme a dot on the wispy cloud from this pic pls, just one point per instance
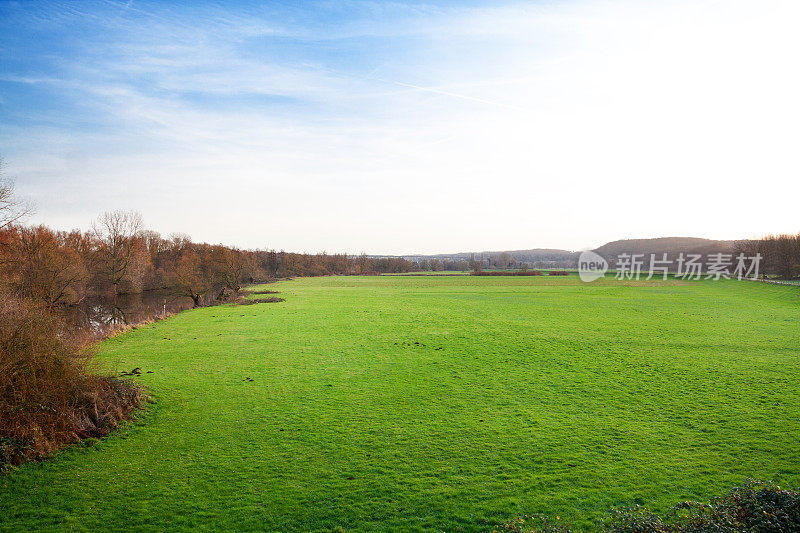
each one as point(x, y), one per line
point(403, 126)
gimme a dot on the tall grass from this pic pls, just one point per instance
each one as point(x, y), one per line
point(48, 396)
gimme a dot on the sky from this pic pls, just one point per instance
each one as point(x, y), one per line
point(407, 127)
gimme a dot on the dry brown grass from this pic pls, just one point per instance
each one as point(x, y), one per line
point(48, 397)
point(251, 301)
point(119, 329)
point(507, 273)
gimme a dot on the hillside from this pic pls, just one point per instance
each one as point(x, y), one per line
point(556, 258)
point(669, 245)
point(672, 246)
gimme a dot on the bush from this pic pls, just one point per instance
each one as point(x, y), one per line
point(48, 398)
point(754, 507)
point(558, 273)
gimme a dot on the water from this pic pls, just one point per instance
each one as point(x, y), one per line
point(98, 315)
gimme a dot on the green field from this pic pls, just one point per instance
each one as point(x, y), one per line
point(415, 403)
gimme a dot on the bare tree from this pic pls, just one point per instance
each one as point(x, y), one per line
point(474, 264)
point(12, 209)
point(117, 235)
point(784, 253)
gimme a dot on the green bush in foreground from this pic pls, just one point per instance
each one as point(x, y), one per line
point(755, 507)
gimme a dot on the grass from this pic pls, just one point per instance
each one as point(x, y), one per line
point(422, 403)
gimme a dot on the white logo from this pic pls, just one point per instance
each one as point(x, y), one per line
point(591, 266)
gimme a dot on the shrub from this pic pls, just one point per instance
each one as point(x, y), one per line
point(754, 507)
point(558, 273)
point(48, 398)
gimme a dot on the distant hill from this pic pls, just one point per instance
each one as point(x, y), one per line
point(672, 246)
point(555, 258)
point(534, 258)
point(534, 254)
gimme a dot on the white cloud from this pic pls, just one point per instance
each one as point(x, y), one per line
point(552, 125)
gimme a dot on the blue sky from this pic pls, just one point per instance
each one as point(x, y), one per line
point(405, 126)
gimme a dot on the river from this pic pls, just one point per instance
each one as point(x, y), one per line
point(98, 315)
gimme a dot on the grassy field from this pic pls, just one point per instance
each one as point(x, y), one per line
point(415, 403)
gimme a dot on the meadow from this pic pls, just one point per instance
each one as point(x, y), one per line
point(446, 403)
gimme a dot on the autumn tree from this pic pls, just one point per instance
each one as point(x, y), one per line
point(119, 243)
point(45, 267)
point(230, 264)
point(783, 254)
point(271, 263)
point(193, 274)
point(362, 263)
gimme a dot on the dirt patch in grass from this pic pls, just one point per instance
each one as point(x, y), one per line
point(251, 301)
point(507, 273)
point(426, 274)
point(265, 292)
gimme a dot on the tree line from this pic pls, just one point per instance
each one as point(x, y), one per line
point(119, 256)
point(49, 394)
point(780, 254)
point(49, 397)
point(500, 261)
